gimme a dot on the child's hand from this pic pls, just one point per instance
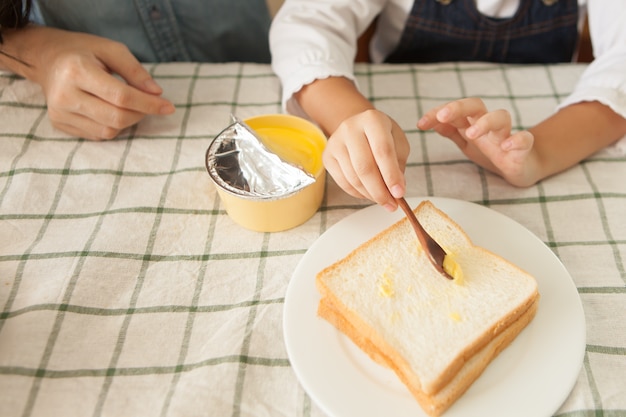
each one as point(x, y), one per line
point(485, 138)
point(366, 155)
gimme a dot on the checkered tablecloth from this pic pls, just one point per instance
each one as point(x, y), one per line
point(126, 290)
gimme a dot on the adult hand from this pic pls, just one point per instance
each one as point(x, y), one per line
point(485, 137)
point(366, 155)
point(84, 97)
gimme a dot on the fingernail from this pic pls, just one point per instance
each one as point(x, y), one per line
point(470, 132)
point(443, 114)
point(167, 109)
point(389, 207)
point(152, 87)
point(422, 121)
point(397, 191)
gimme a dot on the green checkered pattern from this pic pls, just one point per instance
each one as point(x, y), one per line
point(126, 290)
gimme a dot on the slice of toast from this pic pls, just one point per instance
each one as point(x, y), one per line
point(436, 334)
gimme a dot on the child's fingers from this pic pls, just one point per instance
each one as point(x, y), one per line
point(495, 121)
point(451, 133)
point(458, 113)
point(387, 180)
point(367, 177)
point(429, 119)
point(344, 176)
point(520, 141)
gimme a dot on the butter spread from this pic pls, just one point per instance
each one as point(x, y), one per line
point(453, 269)
point(385, 284)
point(455, 316)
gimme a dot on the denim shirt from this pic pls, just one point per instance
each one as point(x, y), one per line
point(169, 30)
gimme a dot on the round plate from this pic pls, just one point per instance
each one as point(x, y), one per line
point(531, 377)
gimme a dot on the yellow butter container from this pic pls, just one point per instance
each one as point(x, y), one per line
point(296, 141)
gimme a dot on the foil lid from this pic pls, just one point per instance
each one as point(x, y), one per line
point(239, 162)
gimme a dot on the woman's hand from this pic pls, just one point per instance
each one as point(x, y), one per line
point(366, 155)
point(485, 138)
point(94, 87)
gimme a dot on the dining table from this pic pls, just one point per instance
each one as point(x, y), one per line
point(126, 289)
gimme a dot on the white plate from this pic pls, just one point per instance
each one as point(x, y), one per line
point(532, 377)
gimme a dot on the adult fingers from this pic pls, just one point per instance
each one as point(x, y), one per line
point(92, 74)
point(123, 96)
point(104, 118)
point(86, 129)
point(118, 58)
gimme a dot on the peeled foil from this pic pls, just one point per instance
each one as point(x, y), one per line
point(239, 162)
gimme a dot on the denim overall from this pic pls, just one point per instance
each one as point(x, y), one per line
point(540, 31)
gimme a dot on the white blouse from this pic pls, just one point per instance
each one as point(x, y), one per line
point(315, 39)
